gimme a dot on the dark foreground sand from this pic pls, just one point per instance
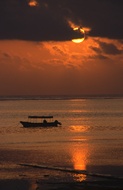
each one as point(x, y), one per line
point(15, 176)
point(28, 184)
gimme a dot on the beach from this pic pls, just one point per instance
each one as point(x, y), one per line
point(90, 141)
point(33, 178)
point(27, 185)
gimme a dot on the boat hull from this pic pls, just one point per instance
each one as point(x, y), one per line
point(33, 124)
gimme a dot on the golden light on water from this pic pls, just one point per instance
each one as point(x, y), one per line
point(79, 128)
point(79, 159)
point(33, 3)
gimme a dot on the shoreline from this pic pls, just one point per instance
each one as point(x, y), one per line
point(29, 176)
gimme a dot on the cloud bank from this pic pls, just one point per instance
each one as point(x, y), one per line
point(46, 20)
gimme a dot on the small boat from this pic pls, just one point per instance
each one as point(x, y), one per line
point(40, 121)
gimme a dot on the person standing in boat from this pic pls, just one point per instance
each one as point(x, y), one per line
point(44, 121)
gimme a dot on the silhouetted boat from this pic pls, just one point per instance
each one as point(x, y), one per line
point(45, 121)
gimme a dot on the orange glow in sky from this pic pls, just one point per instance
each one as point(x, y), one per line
point(71, 68)
point(33, 3)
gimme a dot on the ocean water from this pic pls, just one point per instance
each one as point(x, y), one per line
point(90, 138)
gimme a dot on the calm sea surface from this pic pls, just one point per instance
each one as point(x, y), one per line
point(90, 138)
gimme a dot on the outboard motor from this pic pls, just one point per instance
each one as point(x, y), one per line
point(57, 122)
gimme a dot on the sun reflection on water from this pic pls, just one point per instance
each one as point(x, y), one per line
point(80, 158)
point(79, 128)
point(33, 185)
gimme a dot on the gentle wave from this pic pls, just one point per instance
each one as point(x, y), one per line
point(56, 97)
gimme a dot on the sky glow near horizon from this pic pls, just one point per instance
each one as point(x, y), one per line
point(41, 59)
point(33, 3)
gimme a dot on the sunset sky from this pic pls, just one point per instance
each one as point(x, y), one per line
point(38, 56)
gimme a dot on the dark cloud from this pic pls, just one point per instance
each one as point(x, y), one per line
point(110, 49)
point(6, 55)
point(48, 20)
point(99, 53)
point(106, 48)
point(103, 16)
point(96, 49)
point(20, 21)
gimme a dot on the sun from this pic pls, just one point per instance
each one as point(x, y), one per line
point(78, 40)
point(82, 32)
